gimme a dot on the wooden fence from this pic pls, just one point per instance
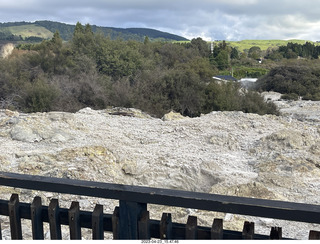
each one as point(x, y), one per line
point(130, 220)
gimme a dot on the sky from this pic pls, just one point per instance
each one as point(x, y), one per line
point(211, 20)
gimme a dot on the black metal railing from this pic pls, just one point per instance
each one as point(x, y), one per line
point(130, 220)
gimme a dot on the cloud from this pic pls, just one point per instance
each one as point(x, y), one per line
point(210, 19)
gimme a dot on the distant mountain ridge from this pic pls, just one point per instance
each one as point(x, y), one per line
point(37, 30)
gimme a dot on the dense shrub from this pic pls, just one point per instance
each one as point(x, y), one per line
point(39, 96)
point(228, 96)
point(299, 79)
point(290, 96)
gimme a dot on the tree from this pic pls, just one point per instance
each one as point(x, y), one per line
point(56, 42)
point(222, 60)
point(234, 53)
point(254, 52)
point(146, 40)
point(201, 46)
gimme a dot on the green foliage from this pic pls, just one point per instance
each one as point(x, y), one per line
point(253, 102)
point(291, 96)
point(301, 79)
point(228, 96)
point(294, 50)
point(91, 70)
point(244, 71)
point(222, 96)
point(254, 52)
point(39, 96)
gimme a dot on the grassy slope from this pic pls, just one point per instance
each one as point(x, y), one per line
point(263, 44)
point(30, 30)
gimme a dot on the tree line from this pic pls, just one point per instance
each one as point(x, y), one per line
point(93, 70)
point(294, 50)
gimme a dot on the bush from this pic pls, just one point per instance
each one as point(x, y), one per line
point(300, 79)
point(39, 97)
point(253, 102)
point(228, 97)
point(291, 96)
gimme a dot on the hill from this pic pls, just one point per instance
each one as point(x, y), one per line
point(263, 44)
point(33, 31)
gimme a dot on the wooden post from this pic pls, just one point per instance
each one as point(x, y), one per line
point(129, 215)
point(15, 221)
point(276, 233)
point(97, 223)
point(54, 220)
point(36, 219)
point(143, 226)
point(314, 235)
point(74, 221)
point(166, 226)
point(248, 230)
point(217, 229)
point(192, 228)
point(115, 224)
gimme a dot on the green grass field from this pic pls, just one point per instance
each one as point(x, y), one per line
point(263, 44)
point(30, 30)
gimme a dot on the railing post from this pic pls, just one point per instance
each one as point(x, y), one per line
point(129, 215)
point(15, 221)
point(192, 228)
point(54, 220)
point(36, 219)
point(115, 223)
point(217, 229)
point(144, 227)
point(97, 223)
point(74, 221)
point(276, 233)
point(314, 235)
point(248, 230)
point(166, 226)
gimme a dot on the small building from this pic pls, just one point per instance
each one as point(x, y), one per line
point(224, 78)
point(248, 82)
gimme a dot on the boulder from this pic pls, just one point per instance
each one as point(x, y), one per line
point(172, 116)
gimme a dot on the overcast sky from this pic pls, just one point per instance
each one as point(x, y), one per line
point(209, 19)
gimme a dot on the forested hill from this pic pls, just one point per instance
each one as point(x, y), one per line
point(35, 31)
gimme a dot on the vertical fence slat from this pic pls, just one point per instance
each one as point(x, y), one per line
point(143, 226)
point(115, 223)
point(54, 220)
point(217, 229)
point(248, 230)
point(192, 228)
point(36, 219)
point(97, 223)
point(0, 232)
point(15, 221)
point(314, 235)
point(166, 226)
point(276, 233)
point(129, 215)
point(74, 221)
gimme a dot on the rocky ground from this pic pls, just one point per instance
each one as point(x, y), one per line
point(232, 153)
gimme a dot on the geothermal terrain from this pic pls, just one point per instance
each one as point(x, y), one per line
point(229, 153)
